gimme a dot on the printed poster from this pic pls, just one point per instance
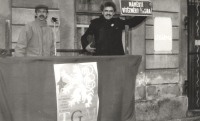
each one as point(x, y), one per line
point(76, 90)
point(162, 35)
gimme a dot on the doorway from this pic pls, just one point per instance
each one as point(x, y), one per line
point(193, 54)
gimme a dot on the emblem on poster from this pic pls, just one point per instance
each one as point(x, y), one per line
point(135, 8)
point(76, 91)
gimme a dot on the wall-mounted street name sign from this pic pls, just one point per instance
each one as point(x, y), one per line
point(135, 8)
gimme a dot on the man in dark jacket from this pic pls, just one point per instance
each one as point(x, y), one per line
point(107, 32)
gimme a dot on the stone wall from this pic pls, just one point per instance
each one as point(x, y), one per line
point(159, 85)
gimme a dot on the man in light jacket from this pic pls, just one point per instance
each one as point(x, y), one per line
point(36, 38)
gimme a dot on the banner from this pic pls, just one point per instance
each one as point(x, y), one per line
point(162, 35)
point(76, 91)
point(135, 8)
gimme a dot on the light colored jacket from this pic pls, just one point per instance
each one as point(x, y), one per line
point(35, 39)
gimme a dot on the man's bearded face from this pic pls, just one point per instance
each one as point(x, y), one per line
point(41, 14)
point(108, 13)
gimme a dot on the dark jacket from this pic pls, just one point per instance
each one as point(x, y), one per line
point(108, 34)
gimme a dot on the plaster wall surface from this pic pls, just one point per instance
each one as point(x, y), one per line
point(5, 14)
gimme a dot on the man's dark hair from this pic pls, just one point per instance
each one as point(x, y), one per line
point(41, 7)
point(108, 4)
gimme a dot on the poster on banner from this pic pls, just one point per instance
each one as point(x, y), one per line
point(76, 91)
point(135, 8)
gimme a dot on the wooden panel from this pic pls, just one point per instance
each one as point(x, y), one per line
point(166, 5)
point(85, 19)
point(162, 61)
point(17, 29)
point(174, 16)
point(88, 5)
point(150, 32)
point(150, 47)
point(162, 76)
point(24, 16)
point(93, 5)
point(33, 3)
